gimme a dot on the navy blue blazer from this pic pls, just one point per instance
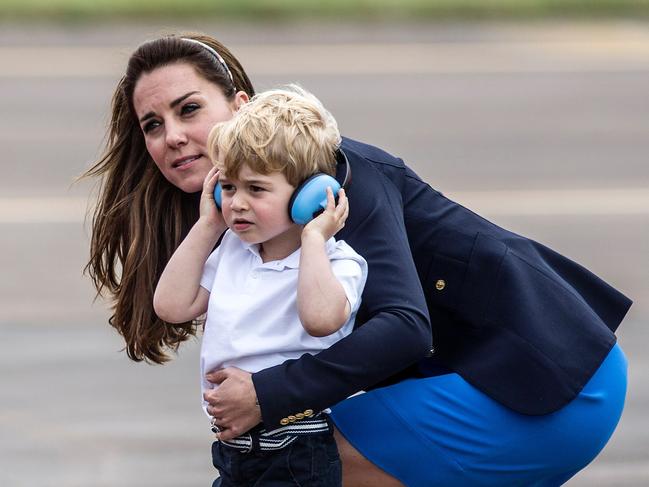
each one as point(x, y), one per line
point(520, 322)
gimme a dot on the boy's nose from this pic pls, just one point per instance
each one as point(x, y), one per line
point(238, 202)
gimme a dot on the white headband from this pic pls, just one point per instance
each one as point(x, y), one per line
point(216, 55)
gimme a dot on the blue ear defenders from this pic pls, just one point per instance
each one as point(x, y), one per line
point(310, 198)
point(217, 195)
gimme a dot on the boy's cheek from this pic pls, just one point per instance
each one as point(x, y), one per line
point(225, 211)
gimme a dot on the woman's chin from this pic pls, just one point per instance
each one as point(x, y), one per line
point(192, 181)
point(192, 184)
point(196, 188)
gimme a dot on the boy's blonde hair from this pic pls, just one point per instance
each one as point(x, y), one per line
point(283, 130)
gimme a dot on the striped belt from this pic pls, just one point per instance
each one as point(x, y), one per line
point(260, 439)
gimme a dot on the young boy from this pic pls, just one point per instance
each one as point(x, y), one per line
point(273, 290)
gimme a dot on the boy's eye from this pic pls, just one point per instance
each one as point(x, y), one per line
point(227, 187)
point(256, 189)
point(189, 108)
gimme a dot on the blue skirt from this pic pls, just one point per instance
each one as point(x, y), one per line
point(441, 431)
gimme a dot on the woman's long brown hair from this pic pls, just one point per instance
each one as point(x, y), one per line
point(141, 218)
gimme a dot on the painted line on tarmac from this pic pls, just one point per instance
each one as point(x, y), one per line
point(560, 202)
point(356, 59)
point(596, 202)
point(43, 210)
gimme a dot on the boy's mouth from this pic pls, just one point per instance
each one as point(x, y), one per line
point(240, 224)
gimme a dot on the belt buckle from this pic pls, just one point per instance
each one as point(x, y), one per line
point(215, 429)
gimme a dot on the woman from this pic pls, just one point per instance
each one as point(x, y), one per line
point(522, 383)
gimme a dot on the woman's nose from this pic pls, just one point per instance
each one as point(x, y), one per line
point(175, 135)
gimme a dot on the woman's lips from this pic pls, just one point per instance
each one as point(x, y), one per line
point(185, 162)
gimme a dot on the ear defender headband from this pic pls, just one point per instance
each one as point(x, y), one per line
point(310, 198)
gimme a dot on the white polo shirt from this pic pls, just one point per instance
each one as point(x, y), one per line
point(252, 318)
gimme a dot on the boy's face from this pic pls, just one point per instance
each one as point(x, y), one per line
point(255, 206)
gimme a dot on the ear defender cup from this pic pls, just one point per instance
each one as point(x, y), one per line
point(310, 198)
point(217, 195)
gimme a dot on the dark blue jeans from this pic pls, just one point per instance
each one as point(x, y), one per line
point(310, 461)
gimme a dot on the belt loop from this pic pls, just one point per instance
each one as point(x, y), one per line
point(330, 423)
point(254, 442)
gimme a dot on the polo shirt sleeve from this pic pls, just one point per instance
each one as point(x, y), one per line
point(350, 270)
point(212, 262)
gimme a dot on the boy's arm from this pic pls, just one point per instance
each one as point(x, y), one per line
point(179, 296)
point(322, 303)
point(321, 300)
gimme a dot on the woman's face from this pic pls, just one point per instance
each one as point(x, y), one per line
point(176, 109)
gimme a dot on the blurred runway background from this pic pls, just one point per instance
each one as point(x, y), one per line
point(542, 127)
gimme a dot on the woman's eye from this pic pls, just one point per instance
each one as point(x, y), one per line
point(149, 126)
point(189, 108)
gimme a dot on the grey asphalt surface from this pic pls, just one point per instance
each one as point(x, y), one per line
point(543, 128)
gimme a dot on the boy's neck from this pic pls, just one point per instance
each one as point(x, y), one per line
point(281, 246)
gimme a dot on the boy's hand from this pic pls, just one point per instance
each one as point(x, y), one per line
point(208, 210)
point(332, 219)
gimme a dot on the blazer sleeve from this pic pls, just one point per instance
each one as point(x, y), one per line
point(395, 331)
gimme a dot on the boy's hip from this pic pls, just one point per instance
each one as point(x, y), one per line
point(308, 460)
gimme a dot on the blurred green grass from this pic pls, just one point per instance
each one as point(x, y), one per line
point(331, 9)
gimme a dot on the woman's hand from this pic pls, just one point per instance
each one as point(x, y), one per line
point(332, 219)
point(233, 404)
point(209, 213)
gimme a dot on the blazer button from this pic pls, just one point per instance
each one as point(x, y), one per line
point(440, 284)
point(291, 419)
point(299, 416)
point(308, 413)
point(284, 421)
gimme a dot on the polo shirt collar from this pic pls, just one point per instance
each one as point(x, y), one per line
point(290, 262)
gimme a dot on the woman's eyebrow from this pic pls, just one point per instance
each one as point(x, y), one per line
point(181, 98)
point(171, 105)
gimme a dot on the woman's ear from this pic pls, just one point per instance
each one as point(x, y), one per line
point(240, 99)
